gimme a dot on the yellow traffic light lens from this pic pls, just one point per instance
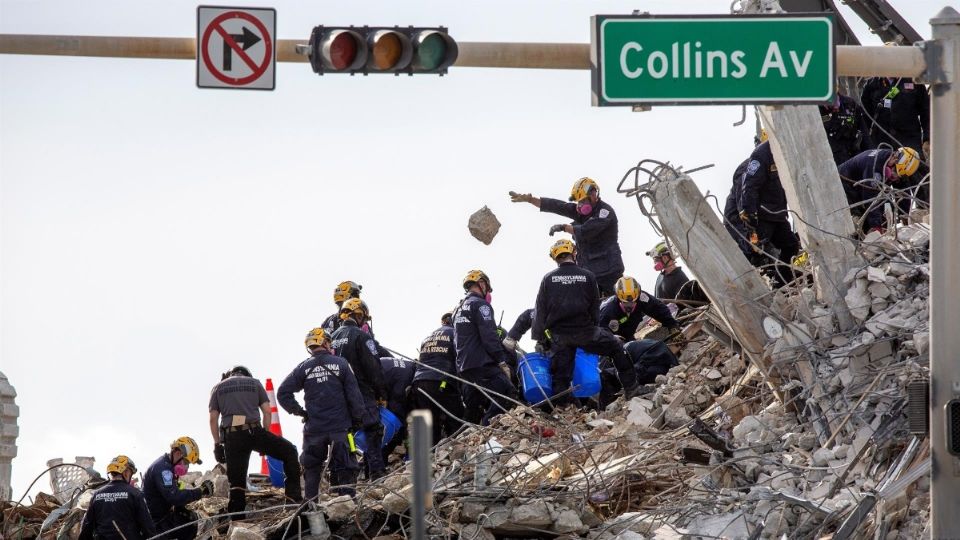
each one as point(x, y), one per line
point(343, 51)
point(432, 52)
point(387, 51)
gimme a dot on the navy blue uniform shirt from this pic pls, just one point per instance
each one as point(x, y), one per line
point(568, 301)
point(363, 354)
point(625, 324)
point(761, 193)
point(437, 351)
point(399, 376)
point(117, 503)
point(475, 336)
point(330, 393)
point(161, 490)
point(596, 236)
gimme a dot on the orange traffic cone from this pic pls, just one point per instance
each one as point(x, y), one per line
point(269, 465)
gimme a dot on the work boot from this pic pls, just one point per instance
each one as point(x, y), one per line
point(631, 392)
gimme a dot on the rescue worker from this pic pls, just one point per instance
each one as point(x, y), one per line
point(165, 500)
point(118, 510)
point(899, 112)
point(847, 130)
point(363, 354)
point(332, 407)
point(566, 316)
point(624, 312)
point(594, 229)
point(398, 374)
point(237, 404)
point(481, 358)
point(762, 207)
point(865, 175)
point(672, 282)
point(650, 358)
point(344, 291)
point(523, 323)
point(433, 388)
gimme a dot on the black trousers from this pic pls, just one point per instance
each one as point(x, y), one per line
point(176, 518)
point(343, 464)
point(592, 340)
point(781, 236)
point(238, 445)
point(448, 397)
point(373, 465)
point(478, 408)
point(607, 284)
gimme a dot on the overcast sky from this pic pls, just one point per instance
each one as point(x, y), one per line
point(155, 234)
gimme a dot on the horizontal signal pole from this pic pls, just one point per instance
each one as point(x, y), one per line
point(851, 60)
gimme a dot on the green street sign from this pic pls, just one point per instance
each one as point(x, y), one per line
point(670, 59)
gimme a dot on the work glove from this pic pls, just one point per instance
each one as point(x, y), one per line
point(542, 347)
point(382, 402)
point(505, 368)
point(510, 344)
point(520, 197)
point(206, 488)
point(219, 454)
point(303, 416)
point(749, 219)
point(675, 335)
point(557, 228)
point(926, 149)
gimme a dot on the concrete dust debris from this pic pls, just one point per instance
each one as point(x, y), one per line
point(484, 225)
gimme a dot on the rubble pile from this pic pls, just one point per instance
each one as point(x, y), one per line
point(821, 445)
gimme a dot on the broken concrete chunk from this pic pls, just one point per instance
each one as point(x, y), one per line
point(240, 532)
point(821, 457)
point(567, 522)
point(339, 508)
point(483, 225)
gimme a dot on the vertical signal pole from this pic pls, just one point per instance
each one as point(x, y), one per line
point(421, 426)
point(943, 73)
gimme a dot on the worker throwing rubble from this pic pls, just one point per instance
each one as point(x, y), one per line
point(864, 177)
point(566, 316)
point(333, 406)
point(118, 510)
point(161, 488)
point(237, 404)
point(594, 229)
point(481, 358)
point(433, 388)
point(344, 291)
point(363, 354)
point(623, 313)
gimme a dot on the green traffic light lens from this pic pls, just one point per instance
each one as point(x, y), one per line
point(432, 51)
point(343, 51)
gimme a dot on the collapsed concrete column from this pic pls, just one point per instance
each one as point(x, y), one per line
point(8, 435)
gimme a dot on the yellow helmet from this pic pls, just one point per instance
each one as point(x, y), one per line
point(189, 448)
point(353, 306)
point(582, 188)
point(121, 464)
point(475, 276)
point(316, 338)
point(908, 161)
point(627, 289)
point(659, 250)
point(562, 247)
point(345, 291)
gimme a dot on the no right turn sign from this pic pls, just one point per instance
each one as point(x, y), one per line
point(236, 47)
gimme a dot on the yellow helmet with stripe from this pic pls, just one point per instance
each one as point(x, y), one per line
point(627, 289)
point(354, 306)
point(562, 247)
point(908, 161)
point(345, 291)
point(316, 338)
point(582, 188)
point(189, 448)
point(659, 250)
point(121, 464)
point(475, 276)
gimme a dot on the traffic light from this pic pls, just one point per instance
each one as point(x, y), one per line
point(375, 49)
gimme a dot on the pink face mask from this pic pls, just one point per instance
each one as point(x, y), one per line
point(489, 298)
point(890, 174)
point(180, 469)
point(585, 208)
point(628, 308)
point(658, 266)
point(365, 328)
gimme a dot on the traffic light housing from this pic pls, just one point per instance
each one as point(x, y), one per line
point(381, 49)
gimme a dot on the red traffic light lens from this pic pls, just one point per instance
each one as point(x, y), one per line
point(343, 51)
